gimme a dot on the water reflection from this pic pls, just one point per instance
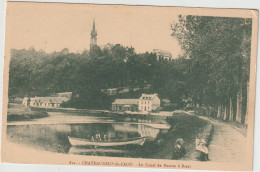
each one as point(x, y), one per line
point(97, 151)
point(143, 130)
point(54, 137)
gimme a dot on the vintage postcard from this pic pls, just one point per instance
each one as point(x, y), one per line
point(129, 86)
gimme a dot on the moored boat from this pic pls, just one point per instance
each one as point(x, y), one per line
point(80, 150)
point(85, 142)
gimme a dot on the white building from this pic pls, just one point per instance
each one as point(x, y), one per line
point(149, 102)
point(25, 101)
point(48, 102)
point(162, 54)
point(125, 105)
point(110, 91)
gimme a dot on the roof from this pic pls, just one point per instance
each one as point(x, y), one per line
point(162, 53)
point(50, 99)
point(125, 101)
point(149, 96)
point(166, 100)
point(65, 94)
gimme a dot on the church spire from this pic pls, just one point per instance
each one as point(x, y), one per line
point(93, 40)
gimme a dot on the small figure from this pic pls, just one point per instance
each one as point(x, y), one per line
point(201, 146)
point(179, 150)
point(92, 139)
point(98, 138)
point(105, 137)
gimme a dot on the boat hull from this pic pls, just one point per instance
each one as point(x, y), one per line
point(84, 142)
point(80, 150)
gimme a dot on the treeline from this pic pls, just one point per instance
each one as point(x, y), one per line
point(212, 76)
point(36, 73)
point(218, 51)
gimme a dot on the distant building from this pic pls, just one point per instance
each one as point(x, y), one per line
point(110, 91)
point(162, 54)
point(149, 102)
point(115, 91)
point(49, 102)
point(166, 102)
point(65, 94)
point(124, 90)
point(125, 105)
point(25, 101)
point(108, 46)
point(136, 89)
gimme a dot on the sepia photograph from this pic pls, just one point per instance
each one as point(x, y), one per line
point(129, 86)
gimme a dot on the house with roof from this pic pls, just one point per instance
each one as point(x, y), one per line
point(149, 102)
point(162, 54)
point(65, 94)
point(110, 91)
point(125, 105)
point(46, 102)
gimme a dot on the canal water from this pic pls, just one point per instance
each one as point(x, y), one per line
point(51, 133)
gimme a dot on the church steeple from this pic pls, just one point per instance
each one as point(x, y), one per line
point(93, 40)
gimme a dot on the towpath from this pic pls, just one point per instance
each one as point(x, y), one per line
point(227, 143)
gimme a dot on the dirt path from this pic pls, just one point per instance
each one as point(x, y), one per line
point(227, 144)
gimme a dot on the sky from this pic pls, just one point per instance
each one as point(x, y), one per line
point(54, 26)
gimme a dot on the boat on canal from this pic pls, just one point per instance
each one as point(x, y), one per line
point(80, 150)
point(85, 142)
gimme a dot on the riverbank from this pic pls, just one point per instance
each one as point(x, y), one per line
point(183, 126)
point(73, 110)
point(98, 112)
point(241, 128)
point(26, 116)
point(17, 112)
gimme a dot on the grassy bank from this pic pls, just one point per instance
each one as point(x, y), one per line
point(26, 116)
point(241, 128)
point(17, 112)
point(183, 126)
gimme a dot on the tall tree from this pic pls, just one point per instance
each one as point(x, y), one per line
point(219, 49)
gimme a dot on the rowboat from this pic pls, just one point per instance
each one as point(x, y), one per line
point(85, 142)
point(79, 150)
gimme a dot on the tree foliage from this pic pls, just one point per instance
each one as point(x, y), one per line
point(36, 73)
point(213, 71)
point(218, 49)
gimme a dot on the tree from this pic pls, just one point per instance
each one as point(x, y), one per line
point(219, 49)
